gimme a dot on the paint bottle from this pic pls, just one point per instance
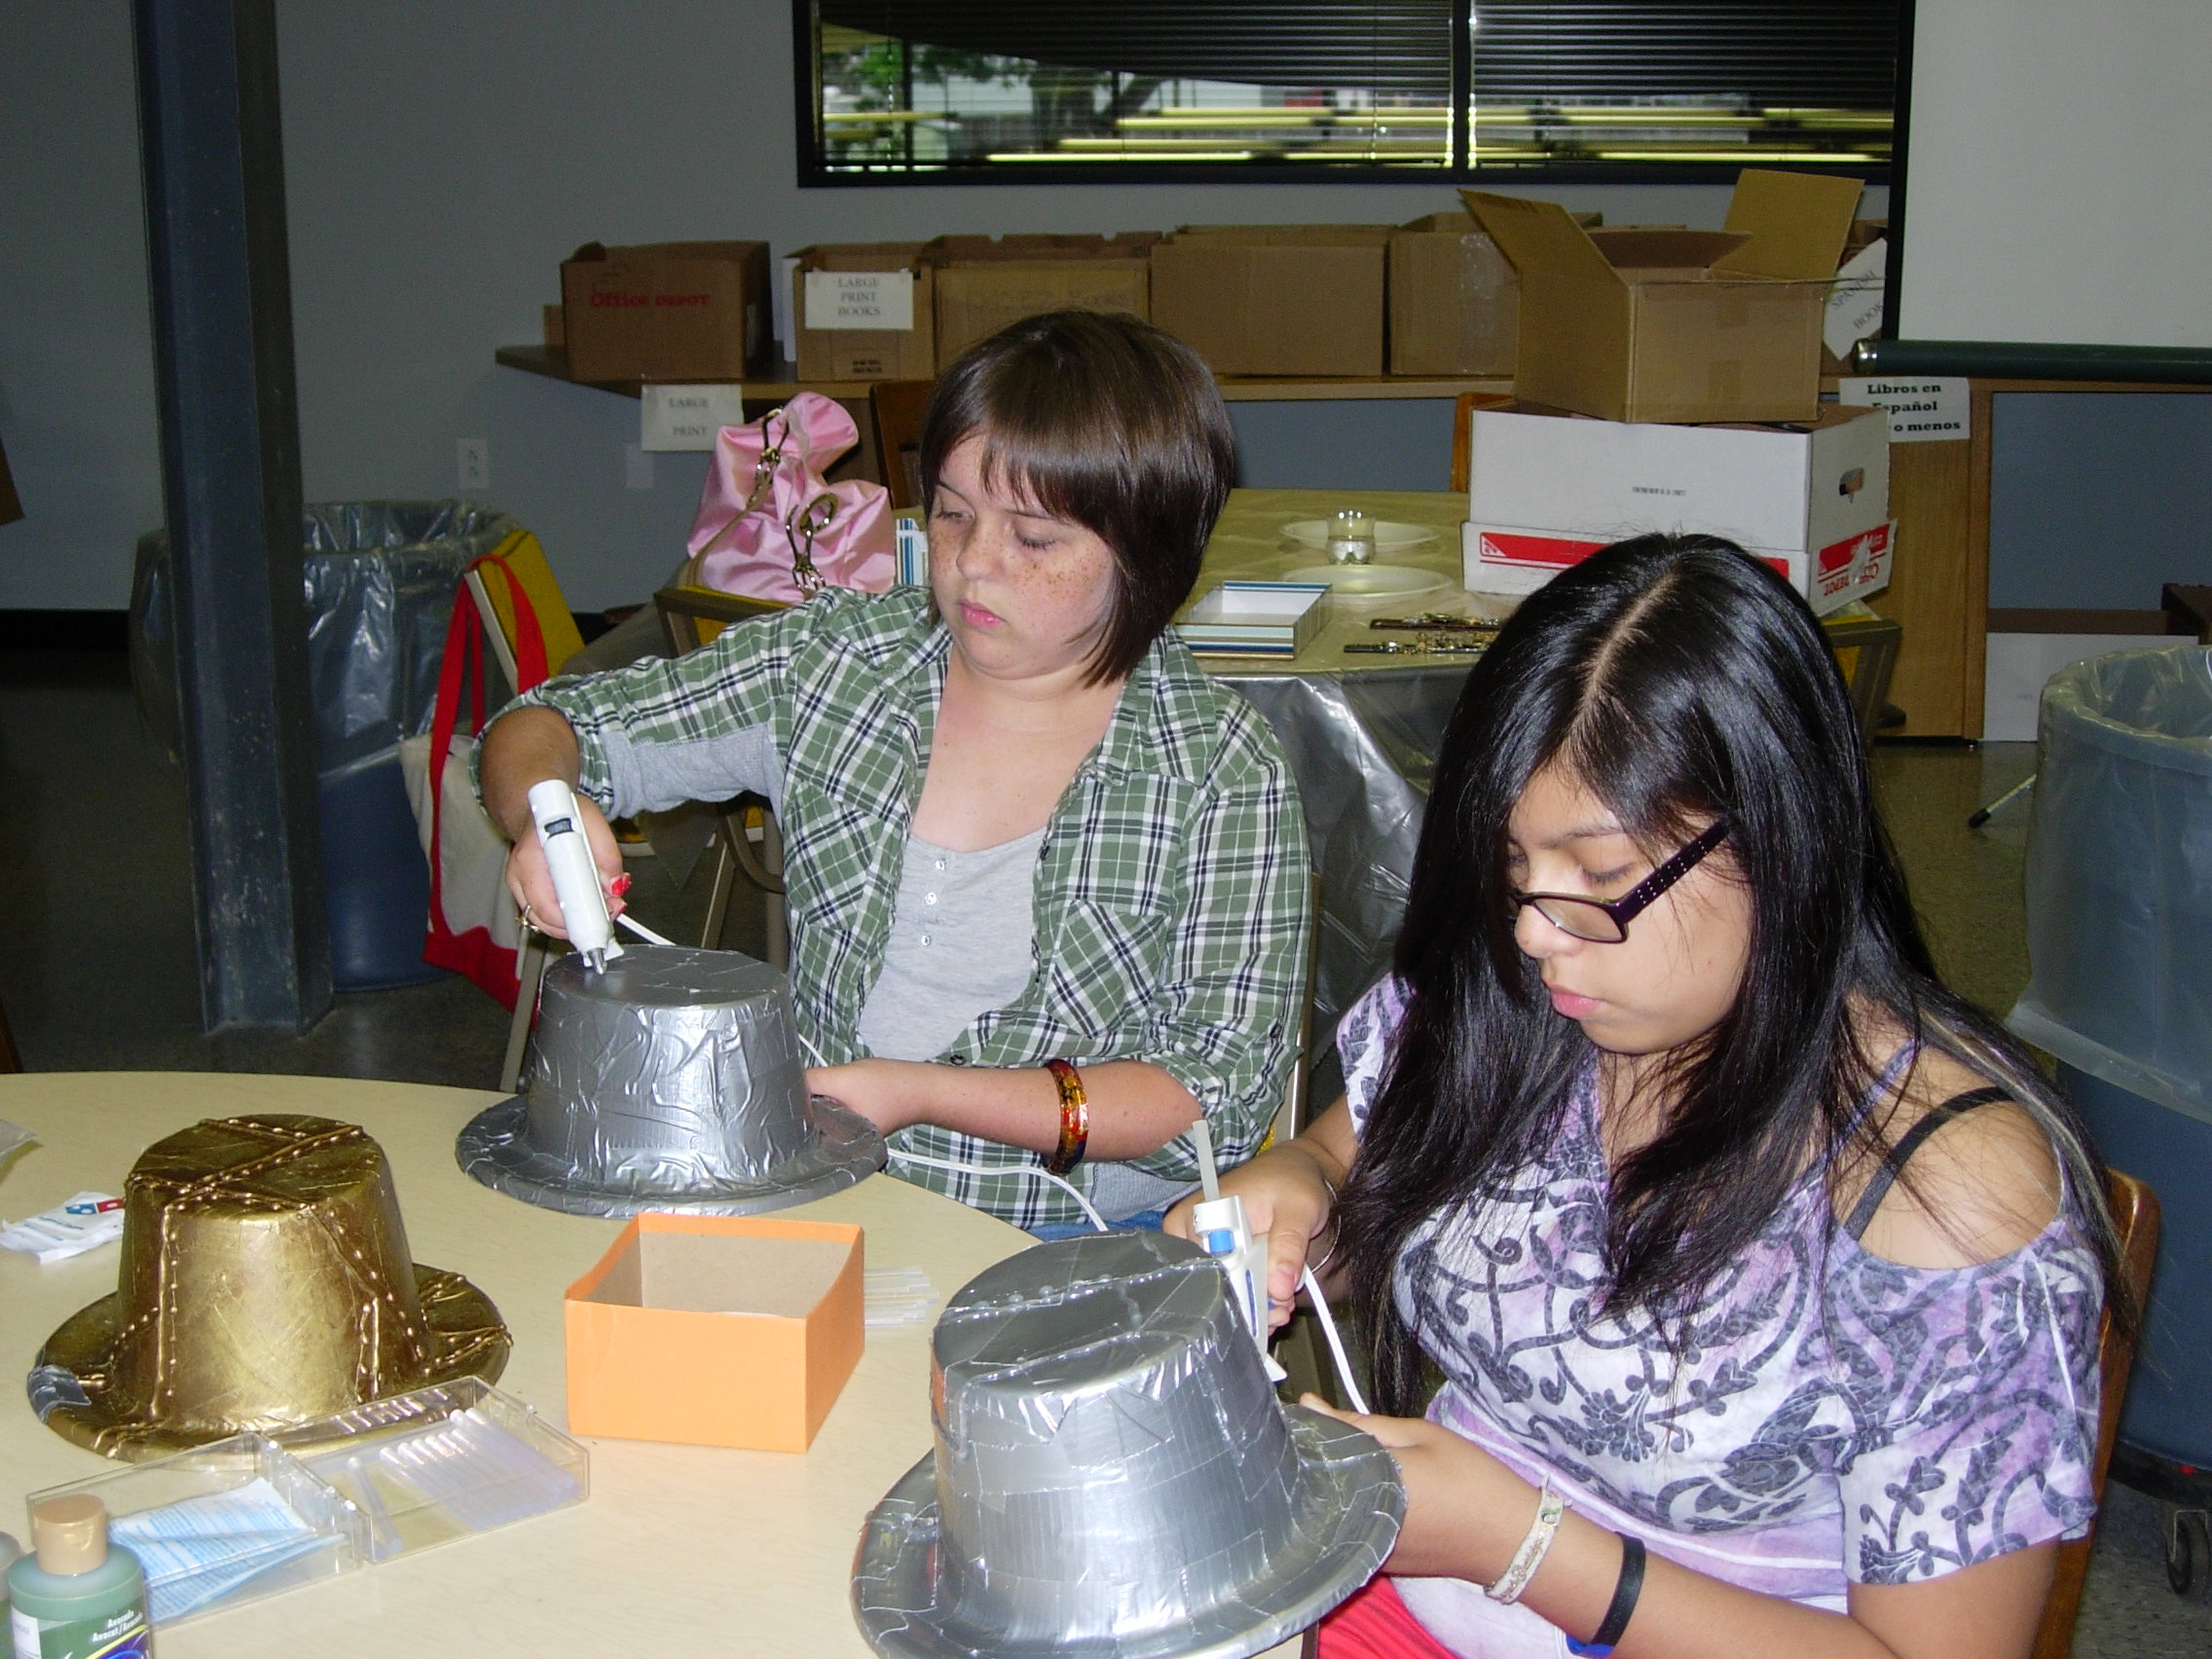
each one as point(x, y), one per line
point(75, 1597)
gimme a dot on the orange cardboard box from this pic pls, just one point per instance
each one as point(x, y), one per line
point(715, 1331)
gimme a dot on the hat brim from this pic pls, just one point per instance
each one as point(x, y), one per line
point(842, 1148)
point(472, 1341)
point(1347, 1506)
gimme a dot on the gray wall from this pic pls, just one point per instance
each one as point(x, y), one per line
point(440, 161)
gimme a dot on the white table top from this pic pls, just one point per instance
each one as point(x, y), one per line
point(679, 1549)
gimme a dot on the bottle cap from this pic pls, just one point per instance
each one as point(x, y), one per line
point(70, 1534)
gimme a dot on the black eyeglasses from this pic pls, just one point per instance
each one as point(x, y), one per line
point(1605, 921)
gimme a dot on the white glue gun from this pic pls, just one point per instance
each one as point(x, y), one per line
point(576, 873)
point(1218, 1226)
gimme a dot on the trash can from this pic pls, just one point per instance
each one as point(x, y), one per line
point(378, 580)
point(2119, 944)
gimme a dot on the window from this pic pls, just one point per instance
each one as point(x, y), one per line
point(1006, 89)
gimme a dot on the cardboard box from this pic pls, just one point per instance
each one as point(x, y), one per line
point(864, 312)
point(1276, 299)
point(1670, 325)
point(984, 283)
point(1455, 299)
point(1545, 491)
point(715, 1331)
point(665, 310)
point(1277, 619)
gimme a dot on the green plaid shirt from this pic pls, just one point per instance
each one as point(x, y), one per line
point(1171, 889)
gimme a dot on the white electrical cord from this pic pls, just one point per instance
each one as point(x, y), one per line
point(641, 930)
point(1096, 1220)
point(1336, 1342)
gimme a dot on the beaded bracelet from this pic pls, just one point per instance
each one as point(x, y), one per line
point(1551, 1510)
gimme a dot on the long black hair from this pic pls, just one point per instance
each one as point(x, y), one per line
point(1680, 680)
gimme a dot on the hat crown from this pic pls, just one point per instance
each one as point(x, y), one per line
point(667, 1071)
point(266, 1277)
point(1111, 1458)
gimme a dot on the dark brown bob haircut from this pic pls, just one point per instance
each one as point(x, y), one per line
point(1104, 421)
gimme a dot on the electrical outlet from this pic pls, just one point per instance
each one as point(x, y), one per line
point(637, 466)
point(473, 462)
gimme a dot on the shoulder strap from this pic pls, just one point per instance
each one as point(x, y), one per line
point(1898, 1156)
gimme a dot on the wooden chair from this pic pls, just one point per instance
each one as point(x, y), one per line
point(746, 834)
point(898, 408)
point(2135, 1214)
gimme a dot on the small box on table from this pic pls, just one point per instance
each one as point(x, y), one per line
point(665, 310)
point(1677, 326)
point(1255, 619)
point(715, 1331)
point(1547, 489)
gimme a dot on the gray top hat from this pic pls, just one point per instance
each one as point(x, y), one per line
point(668, 1081)
point(1114, 1476)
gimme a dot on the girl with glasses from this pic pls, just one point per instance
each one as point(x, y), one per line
point(1762, 1275)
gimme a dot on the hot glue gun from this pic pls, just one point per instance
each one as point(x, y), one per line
point(576, 873)
point(1218, 1226)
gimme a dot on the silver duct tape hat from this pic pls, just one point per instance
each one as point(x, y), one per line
point(1114, 1476)
point(668, 1081)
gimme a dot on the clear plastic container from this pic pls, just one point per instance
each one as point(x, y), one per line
point(224, 1523)
point(254, 1516)
point(447, 1462)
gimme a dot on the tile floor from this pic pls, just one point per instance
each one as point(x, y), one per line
point(100, 973)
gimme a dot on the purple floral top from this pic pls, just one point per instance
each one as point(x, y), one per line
point(1836, 1418)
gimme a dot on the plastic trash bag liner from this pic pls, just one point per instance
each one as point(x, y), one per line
point(2119, 875)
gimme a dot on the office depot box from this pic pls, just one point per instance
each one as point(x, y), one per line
point(1673, 326)
point(984, 283)
point(864, 312)
point(1545, 491)
point(1276, 299)
point(1455, 300)
point(665, 310)
point(715, 1331)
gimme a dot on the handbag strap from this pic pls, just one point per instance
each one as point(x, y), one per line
point(463, 663)
point(530, 638)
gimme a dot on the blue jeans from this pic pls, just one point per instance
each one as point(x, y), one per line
point(1144, 1221)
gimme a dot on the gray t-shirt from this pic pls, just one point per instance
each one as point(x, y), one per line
point(963, 942)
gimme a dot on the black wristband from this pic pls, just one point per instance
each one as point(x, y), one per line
point(1622, 1609)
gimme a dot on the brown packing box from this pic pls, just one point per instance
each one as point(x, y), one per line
point(984, 283)
point(1677, 325)
point(665, 310)
point(1276, 299)
point(833, 341)
point(1455, 300)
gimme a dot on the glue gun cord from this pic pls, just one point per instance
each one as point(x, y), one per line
point(1096, 1220)
point(1336, 1342)
point(640, 930)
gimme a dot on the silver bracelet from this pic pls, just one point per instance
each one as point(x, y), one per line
point(1551, 1510)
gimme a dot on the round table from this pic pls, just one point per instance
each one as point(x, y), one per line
point(679, 1549)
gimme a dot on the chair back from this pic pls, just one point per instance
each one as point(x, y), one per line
point(692, 615)
point(899, 408)
point(494, 606)
point(2135, 1216)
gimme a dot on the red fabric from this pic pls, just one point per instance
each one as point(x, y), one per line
point(1376, 1624)
point(473, 952)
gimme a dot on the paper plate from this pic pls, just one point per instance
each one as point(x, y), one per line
point(1376, 579)
point(1389, 532)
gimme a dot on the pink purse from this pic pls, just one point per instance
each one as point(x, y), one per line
point(768, 525)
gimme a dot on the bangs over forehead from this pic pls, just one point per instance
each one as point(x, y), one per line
point(1104, 421)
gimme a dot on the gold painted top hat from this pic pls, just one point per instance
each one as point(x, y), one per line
point(265, 1284)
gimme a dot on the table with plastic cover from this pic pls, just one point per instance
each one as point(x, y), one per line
point(679, 1549)
point(1362, 732)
